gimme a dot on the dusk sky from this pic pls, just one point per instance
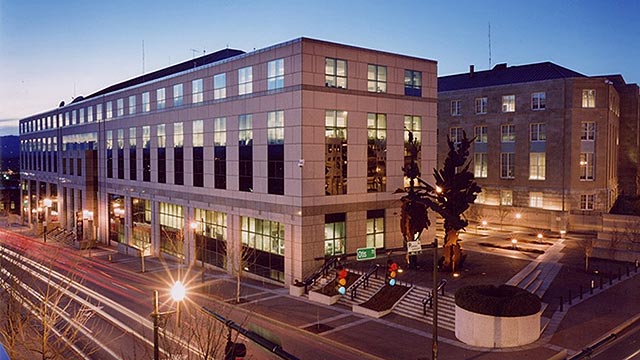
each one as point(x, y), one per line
point(51, 51)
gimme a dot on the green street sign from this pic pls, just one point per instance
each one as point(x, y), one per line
point(366, 253)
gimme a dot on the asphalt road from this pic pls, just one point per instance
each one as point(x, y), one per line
point(118, 302)
point(625, 347)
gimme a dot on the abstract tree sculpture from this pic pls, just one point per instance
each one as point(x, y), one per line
point(455, 189)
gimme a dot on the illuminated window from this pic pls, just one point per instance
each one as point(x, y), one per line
point(375, 229)
point(377, 78)
point(537, 166)
point(535, 199)
point(376, 152)
point(480, 165)
point(588, 98)
point(509, 103)
point(480, 133)
point(508, 133)
point(335, 234)
point(506, 197)
point(335, 73)
point(586, 166)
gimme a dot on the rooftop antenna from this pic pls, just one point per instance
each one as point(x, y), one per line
point(489, 44)
point(195, 51)
point(142, 56)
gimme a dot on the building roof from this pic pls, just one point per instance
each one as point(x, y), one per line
point(174, 69)
point(501, 74)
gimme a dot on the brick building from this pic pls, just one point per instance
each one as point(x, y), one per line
point(553, 148)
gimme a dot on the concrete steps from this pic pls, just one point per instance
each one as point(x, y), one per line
point(411, 307)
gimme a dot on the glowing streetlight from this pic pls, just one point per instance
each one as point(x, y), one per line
point(518, 216)
point(178, 293)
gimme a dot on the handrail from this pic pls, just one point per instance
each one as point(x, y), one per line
point(429, 298)
point(324, 270)
point(364, 280)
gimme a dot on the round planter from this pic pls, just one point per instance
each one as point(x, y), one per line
point(496, 331)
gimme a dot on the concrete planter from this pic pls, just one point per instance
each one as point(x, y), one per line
point(359, 309)
point(322, 298)
point(296, 290)
point(85, 244)
point(496, 332)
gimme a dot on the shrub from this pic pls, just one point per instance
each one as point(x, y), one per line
point(504, 300)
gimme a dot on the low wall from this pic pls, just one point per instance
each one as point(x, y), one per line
point(496, 332)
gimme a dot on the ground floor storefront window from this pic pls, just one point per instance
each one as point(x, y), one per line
point(141, 223)
point(211, 237)
point(116, 218)
point(171, 229)
point(263, 248)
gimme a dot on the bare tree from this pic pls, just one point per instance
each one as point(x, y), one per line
point(41, 317)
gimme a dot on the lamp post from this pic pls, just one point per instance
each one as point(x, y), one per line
point(434, 343)
point(178, 293)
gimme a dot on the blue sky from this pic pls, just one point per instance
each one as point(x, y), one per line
point(54, 50)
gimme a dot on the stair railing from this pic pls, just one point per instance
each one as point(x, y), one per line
point(364, 280)
point(429, 298)
point(322, 271)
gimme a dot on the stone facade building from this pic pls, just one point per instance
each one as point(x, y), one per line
point(553, 148)
point(269, 161)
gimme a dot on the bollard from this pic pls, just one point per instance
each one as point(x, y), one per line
point(110, 258)
point(600, 282)
point(593, 284)
point(570, 298)
point(627, 270)
point(619, 274)
point(637, 265)
point(580, 292)
point(610, 280)
point(561, 304)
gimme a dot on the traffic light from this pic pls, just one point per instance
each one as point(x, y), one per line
point(392, 272)
point(342, 281)
point(234, 351)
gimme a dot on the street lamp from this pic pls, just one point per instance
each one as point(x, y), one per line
point(178, 293)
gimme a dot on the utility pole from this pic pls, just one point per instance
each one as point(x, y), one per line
point(434, 343)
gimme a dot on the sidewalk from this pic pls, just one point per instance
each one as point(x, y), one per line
point(399, 337)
